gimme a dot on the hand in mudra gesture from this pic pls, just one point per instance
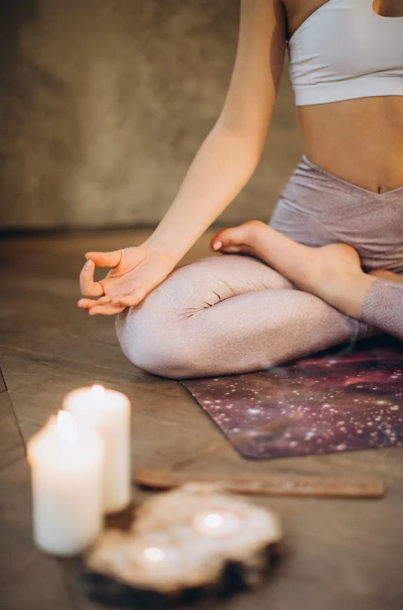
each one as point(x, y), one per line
point(134, 273)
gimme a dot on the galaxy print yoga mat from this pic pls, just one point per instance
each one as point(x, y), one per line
point(336, 401)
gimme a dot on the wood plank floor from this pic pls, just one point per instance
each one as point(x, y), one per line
point(341, 554)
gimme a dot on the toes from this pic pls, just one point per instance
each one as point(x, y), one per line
point(217, 242)
point(226, 238)
point(236, 239)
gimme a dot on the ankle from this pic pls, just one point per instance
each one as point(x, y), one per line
point(347, 292)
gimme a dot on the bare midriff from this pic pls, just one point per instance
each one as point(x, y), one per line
point(360, 140)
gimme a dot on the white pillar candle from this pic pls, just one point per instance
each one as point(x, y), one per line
point(67, 476)
point(109, 413)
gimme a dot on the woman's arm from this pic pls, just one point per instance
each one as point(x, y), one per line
point(230, 153)
point(222, 166)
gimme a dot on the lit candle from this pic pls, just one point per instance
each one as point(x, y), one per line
point(108, 412)
point(217, 523)
point(146, 556)
point(67, 475)
point(153, 555)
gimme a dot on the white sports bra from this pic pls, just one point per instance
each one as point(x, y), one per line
point(344, 50)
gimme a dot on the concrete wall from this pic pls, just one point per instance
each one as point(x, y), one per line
point(104, 103)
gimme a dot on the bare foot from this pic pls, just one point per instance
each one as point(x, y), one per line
point(331, 272)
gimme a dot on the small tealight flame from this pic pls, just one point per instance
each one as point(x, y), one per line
point(213, 521)
point(218, 523)
point(97, 395)
point(67, 427)
point(153, 554)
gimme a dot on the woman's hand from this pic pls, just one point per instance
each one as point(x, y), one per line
point(134, 273)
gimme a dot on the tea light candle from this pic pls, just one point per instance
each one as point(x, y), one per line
point(108, 412)
point(67, 474)
point(152, 558)
point(153, 554)
point(217, 523)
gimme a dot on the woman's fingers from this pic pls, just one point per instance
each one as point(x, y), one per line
point(102, 306)
point(131, 299)
point(89, 303)
point(105, 310)
point(88, 287)
point(114, 283)
point(105, 259)
point(108, 306)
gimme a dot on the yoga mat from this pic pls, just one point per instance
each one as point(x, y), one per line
point(340, 400)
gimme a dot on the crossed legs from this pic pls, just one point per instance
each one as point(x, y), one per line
point(332, 272)
point(228, 314)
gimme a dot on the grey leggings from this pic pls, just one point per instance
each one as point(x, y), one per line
point(232, 313)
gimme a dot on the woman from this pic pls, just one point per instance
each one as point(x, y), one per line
point(326, 269)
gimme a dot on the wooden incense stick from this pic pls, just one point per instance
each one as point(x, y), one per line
point(272, 485)
point(253, 484)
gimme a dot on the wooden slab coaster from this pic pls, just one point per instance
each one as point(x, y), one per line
point(182, 545)
point(271, 485)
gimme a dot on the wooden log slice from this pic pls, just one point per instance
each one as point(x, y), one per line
point(191, 539)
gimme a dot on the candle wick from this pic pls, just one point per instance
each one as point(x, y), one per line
point(67, 427)
point(153, 554)
point(97, 395)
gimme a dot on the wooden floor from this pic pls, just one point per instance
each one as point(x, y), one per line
point(341, 554)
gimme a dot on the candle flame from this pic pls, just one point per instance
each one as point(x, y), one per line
point(153, 554)
point(213, 521)
point(97, 394)
point(218, 523)
point(67, 427)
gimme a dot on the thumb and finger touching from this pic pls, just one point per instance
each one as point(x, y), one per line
point(88, 287)
point(116, 290)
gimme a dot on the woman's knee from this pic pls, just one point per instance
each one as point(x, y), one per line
point(155, 343)
point(159, 336)
point(153, 335)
